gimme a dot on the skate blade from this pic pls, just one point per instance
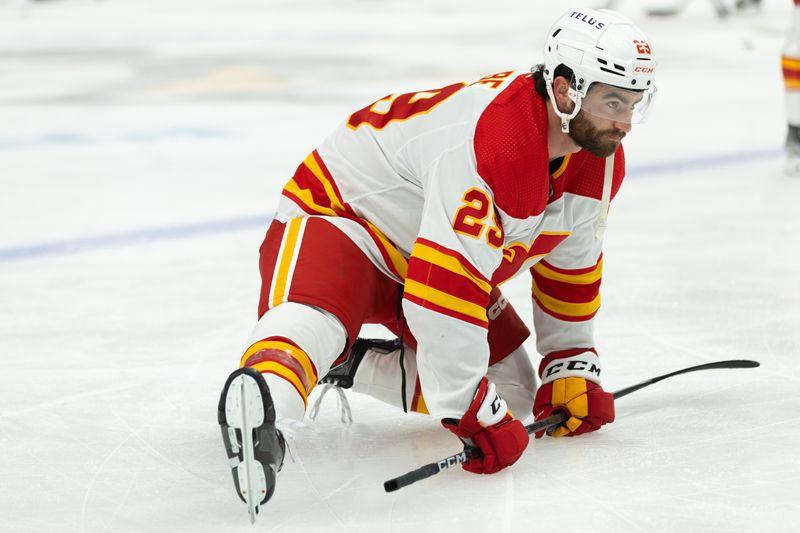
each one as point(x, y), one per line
point(244, 410)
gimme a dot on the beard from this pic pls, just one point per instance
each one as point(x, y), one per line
point(601, 143)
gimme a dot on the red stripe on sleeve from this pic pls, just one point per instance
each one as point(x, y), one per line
point(567, 292)
point(446, 281)
point(452, 253)
point(559, 316)
point(445, 311)
point(572, 272)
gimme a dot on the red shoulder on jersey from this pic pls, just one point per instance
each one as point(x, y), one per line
point(585, 172)
point(511, 149)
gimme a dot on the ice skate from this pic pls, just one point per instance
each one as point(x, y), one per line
point(255, 448)
point(342, 375)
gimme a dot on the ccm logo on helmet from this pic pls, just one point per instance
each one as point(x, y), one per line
point(643, 70)
point(591, 21)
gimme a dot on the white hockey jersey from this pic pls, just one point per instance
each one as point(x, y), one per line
point(449, 192)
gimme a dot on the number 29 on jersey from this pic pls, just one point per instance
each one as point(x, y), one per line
point(474, 216)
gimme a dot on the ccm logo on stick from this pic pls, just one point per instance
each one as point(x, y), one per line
point(453, 460)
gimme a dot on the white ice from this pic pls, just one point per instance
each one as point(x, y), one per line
point(142, 147)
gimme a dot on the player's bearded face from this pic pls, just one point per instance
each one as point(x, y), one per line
point(599, 142)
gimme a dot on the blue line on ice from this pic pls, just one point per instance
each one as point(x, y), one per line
point(69, 138)
point(211, 227)
point(131, 237)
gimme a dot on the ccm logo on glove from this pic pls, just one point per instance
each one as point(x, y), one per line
point(585, 365)
point(572, 384)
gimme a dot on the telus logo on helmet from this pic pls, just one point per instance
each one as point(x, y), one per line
point(591, 21)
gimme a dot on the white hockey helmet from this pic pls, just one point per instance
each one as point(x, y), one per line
point(601, 46)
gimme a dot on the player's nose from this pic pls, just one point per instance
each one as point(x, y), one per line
point(623, 126)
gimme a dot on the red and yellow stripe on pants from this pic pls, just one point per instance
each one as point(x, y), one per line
point(571, 295)
point(286, 261)
point(791, 73)
point(284, 359)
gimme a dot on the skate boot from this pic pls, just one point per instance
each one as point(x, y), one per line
point(342, 375)
point(255, 448)
point(792, 166)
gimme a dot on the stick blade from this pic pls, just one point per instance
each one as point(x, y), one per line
point(746, 363)
point(391, 485)
point(731, 363)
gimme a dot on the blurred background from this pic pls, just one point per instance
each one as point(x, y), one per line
point(143, 144)
point(160, 89)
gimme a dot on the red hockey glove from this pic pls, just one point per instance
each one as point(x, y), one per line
point(570, 383)
point(489, 425)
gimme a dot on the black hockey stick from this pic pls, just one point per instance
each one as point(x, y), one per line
point(733, 363)
point(465, 455)
point(549, 423)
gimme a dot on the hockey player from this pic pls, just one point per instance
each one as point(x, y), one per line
point(410, 214)
point(791, 79)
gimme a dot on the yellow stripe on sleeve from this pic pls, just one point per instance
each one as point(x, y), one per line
point(448, 262)
point(398, 261)
point(576, 279)
point(305, 196)
point(315, 169)
point(790, 63)
point(445, 300)
point(566, 308)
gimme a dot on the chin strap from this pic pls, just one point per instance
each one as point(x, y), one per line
point(575, 96)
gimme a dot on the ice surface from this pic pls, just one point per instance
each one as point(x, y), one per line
point(142, 147)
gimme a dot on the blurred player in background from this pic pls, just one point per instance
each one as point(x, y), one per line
point(723, 8)
point(791, 78)
point(410, 214)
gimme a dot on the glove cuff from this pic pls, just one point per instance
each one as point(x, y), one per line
point(584, 365)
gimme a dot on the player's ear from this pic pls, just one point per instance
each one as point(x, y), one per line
point(561, 94)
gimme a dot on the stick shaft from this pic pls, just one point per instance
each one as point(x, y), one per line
point(468, 453)
point(733, 363)
point(546, 424)
point(560, 417)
